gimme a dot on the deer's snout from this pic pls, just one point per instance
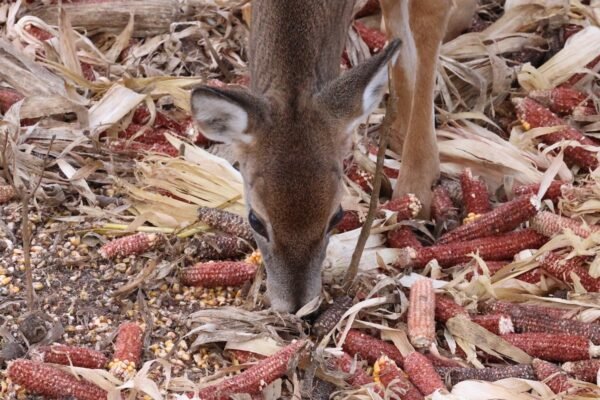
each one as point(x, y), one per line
point(292, 282)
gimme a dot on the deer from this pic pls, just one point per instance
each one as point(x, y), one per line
point(292, 128)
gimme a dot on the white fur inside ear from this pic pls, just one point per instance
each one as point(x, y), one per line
point(220, 120)
point(375, 90)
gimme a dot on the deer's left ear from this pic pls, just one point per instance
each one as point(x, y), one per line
point(356, 94)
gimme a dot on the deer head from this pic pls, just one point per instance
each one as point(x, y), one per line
point(290, 150)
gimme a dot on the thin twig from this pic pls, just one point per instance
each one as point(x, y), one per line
point(373, 204)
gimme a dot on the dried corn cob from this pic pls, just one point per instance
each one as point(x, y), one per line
point(128, 349)
point(522, 371)
point(350, 221)
point(130, 245)
point(553, 193)
point(138, 149)
point(499, 324)
point(406, 207)
point(498, 247)
point(7, 192)
point(330, 317)
point(44, 380)
point(493, 267)
point(219, 273)
point(256, 377)
point(556, 379)
point(421, 314)
point(550, 224)
point(475, 194)
point(553, 347)
point(8, 97)
point(517, 310)
point(395, 380)
point(534, 115)
point(370, 348)
point(442, 207)
point(524, 321)
point(226, 222)
point(563, 100)
point(422, 373)
point(242, 356)
point(373, 38)
point(561, 269)
point(446, 308)
point(403, 237)
point(69, 355)
point(585, 370)
point(504, 218)
point(360, 177)
point(358, 377)
point(217, 247)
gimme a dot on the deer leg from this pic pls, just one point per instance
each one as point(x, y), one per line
point(420, 166)
point(396, 21)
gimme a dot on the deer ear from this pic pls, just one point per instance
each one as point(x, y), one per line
point(356, 94)
point(227, 115)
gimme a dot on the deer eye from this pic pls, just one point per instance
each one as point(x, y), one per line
point(257, 225)
point(336, 219)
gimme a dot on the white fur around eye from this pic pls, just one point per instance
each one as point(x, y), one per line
point(220, 120)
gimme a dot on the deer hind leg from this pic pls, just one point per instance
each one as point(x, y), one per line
point(413, 84)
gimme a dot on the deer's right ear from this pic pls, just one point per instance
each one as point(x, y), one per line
point(227, 115)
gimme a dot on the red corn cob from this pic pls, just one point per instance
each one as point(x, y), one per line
point(358, 376)
point(7, 193)
point(373, 38)
point(406, 207)
point(504, 218)
point(8, 97)
point(498, 247)
point(421, 314)
point(475, 193)
point(549, 224)
point(130, 245)
point(446, 308)
point(395, 380)
point(362, 178)
point(499, 324)
point(217, 247)
point(256, 377)
point(585, 370)
point(553, 193)
point(442, 207)
point(149, 136)
point(128, 345)
point(551, 375)
point(518, 310)
point(44, 380)
point(69, 355)
point(350, 221)
point(522, 371)
point(219, 273)
point(563, 100)
point(403, 237)
point(524, 321)
point(227, 222)
point(422, 373)
point(561, 269)
point(243, 356)
point(493, 267)
point(553, 347)
point(577, 77)
point(534, 115)
point(38, 33)
point(370, 348)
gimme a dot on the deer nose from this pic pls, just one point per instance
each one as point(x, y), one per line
point(290, 289)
